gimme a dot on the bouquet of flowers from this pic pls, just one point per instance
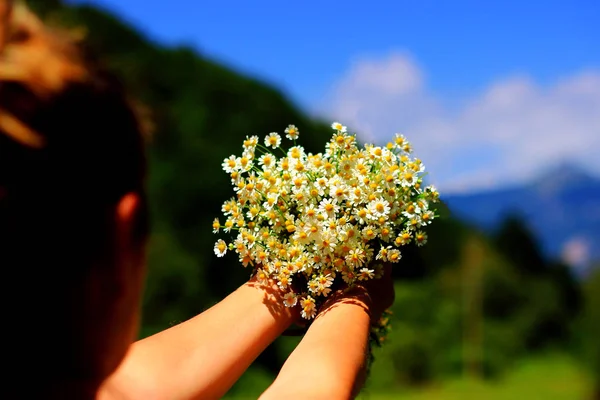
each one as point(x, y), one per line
point(314, 222)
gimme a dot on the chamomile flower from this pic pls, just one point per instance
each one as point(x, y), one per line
point(325, 280)
point(244, 163)
point(317, 219)
point(421, 238)
point(366, 274)
point(394, 255)
point(284, 280)
point(348, 276)
point(356, 257)
point(328, 208)
point(230, 164)
point(383, 253)
point(309, 308)
point(339, 127)
point(290, 299)
point(378, 208)
point(250, 143)
point(220, 248)
point(262, 277)
point(266, 161)
point(273, 140)
point(292, 132)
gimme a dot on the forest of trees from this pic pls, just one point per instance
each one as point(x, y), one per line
point(467, 303)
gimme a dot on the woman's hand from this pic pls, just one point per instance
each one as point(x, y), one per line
point(375, 295)
point(381, 292)
point(335, 345)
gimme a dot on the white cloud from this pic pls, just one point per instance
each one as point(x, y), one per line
point(505, 134)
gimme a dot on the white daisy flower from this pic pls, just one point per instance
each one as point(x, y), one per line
point(262, 277)
point(229, 164)
point(220, 248)
point(292, 132)
point(339, 127)
point(273, 140)
point(309, 309)
point(290, 299)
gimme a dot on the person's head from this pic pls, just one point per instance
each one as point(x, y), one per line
point(72, 206)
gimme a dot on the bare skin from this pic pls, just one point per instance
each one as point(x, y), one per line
point(329, 363)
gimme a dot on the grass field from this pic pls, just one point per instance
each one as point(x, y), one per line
point(554, 377)
point(548, 378)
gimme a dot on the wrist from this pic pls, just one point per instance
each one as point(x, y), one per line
point(272, 298)
point(354, 295)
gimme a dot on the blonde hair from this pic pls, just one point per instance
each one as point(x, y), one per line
point(42, 59)
point(63, 116)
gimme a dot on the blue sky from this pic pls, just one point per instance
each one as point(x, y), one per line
point(304, 45)
point(541, 58)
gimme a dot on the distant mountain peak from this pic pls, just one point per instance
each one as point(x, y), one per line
point(564, 175)
point(562, 207)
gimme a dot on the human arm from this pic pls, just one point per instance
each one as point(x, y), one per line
point(204, 356)
point(330, 361)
